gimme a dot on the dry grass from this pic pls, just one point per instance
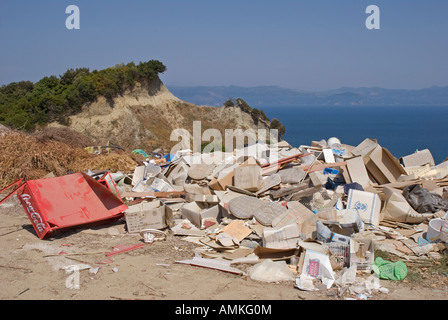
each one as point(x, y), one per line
point(65, 135)
point(25, 156)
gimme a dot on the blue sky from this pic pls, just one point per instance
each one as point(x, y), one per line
point(308, 45)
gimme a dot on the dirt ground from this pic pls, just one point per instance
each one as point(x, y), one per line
point(30, 269)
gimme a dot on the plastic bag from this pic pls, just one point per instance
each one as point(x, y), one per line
point(424, 201)
point(387, 270)
point(270, 271)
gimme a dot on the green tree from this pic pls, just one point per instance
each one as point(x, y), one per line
point(276, 124)
point(231, 102)
point(25, 104)
point(243, 105)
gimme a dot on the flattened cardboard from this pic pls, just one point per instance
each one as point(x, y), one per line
point(286, 237)
point(200, 171)
point(221, 265)
point(193, 188)
point(241, 252)
point(186, 228)
point(291, 175)
point(358, 172)
point(274, 254)
point(268, 212)
point(297, 214)
point(269, 182)
point(237, 229)
point(248, 177)
point(397, 208)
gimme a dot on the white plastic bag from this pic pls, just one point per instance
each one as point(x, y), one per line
point(271, 271)
point(318, 265)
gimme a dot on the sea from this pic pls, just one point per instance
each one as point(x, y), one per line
point(402, 130)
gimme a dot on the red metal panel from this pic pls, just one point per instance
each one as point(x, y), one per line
point(68, 201)
point(19, 185)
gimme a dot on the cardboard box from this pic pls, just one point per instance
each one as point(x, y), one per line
point(364, 147)
point(197, 211)
point(344, 222)
point(418, 158)
point(326, 235)
point(148, 215)
point(368, 205)
point(362, 254)
point(383, 166)
point(220, 184)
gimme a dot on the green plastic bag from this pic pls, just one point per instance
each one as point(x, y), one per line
point(387, 270)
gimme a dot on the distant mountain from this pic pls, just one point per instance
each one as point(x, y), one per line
point(276, 96)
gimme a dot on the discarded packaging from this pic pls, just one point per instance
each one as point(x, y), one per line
point(151, 235)
point(368, 205)
point(312, 214)
point(148, 215)
point(221, 265)
point(317, 265)
point(424, 201)
point(362, 254)
point(196, 212)
point(271, 271)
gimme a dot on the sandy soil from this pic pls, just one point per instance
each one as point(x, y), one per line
point(31, 269)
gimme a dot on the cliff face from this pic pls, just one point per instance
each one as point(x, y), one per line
point(146, 115)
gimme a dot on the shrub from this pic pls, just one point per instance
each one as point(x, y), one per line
point(23, 105)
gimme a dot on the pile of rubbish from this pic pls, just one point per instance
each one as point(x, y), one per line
point(314, 215)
